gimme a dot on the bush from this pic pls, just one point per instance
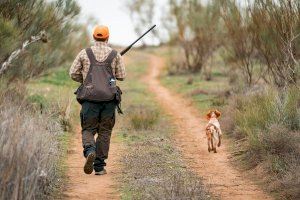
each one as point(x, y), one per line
point(143, 117)
point(267, 127)
point(182, 185)
point(262, 39)
point(29, 151)
point(196, 27)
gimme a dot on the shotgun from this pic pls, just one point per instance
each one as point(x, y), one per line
point(130, 46)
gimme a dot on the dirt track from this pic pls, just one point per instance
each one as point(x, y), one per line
point(83, 186)
point(218, 174)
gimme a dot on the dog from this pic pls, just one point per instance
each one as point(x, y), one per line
point(213, 130)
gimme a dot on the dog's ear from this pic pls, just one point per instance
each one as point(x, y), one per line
point(208, 115)
point(218, 113)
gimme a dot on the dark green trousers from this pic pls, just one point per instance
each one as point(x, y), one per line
point(97, 118)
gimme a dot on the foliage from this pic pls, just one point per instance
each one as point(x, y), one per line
point(266, 125)
point(19, 20)
point(29, 153)
point(276, 27)
point(264, 33)
point(240, 43)
point(197, 29)
point(143, 117)
point(31, 126)
point(261, 37)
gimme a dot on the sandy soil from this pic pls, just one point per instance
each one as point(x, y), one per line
point(83, 186)
point(220, 177)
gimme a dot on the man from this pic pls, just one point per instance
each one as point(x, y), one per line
point(93, 67)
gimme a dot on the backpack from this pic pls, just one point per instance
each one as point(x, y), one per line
point(98, 87)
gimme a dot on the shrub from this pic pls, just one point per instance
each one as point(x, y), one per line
point(267, 126)
point(19, 20)
point(143, 117)
point(29, 151)
point(182, 185)
point(196, 29)
point(263, 40)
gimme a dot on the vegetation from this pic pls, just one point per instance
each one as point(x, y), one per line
point(33, 141)
point(260, 39)
point(33, 121)
point(197, 30)
point(29, 152)
point(28, 18)
point(142, 117)
point(266, 34)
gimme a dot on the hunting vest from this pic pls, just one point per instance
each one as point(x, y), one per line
point(98, 87)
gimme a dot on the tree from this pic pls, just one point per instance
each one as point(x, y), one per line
point(197, 29)
point(20, 20)
point(239, 43)
point(276, 26)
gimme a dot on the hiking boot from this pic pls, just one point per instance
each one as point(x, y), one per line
point(88, 166)
point(102, 172)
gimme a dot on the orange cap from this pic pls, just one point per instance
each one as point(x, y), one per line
point(101, 32)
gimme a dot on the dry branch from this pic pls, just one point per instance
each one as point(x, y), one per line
point(40, 37)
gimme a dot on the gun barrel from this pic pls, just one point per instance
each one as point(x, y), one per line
point(130, 46)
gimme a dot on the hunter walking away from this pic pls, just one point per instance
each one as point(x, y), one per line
point(97, 68)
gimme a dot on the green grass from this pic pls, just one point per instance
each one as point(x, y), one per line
point(58, 77)
point(204, 94)
point(55, 86)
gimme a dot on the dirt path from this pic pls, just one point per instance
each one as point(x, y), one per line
point(83, 186)
point(218, 174)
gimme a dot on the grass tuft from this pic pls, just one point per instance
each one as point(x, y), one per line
point(143, 117)
point(29, 151)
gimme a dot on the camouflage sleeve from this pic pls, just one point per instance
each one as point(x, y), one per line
point(119, 67)
point(76, 69)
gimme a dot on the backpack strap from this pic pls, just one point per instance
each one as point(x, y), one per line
point(111, 56)
point(91, 55)
point(109, 60)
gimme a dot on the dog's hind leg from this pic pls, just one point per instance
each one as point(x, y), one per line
point(215, 141)
point(208, 144)
point(213, 144)
point(219, 143)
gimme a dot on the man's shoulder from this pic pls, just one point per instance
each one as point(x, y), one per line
point(117, 54)
point(82, 51)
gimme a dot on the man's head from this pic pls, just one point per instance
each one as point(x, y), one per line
point(101, 33)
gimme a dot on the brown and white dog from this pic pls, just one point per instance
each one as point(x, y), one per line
point(213, 130)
